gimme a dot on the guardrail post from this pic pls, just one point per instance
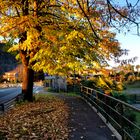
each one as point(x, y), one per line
point(97, 100)
point(80, 88)
point(106, 109)
point(122, 121)
point(87, 90)
point(3, 108)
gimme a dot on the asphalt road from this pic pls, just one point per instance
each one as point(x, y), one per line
point(9, 93)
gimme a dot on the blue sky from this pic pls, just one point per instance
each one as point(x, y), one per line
point(130, 40)
point(132, 43)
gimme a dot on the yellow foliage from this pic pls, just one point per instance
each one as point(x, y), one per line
point(101, 83)
point(59, 38)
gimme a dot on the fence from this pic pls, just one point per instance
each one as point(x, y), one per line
point(6, 105)
point(122, 116)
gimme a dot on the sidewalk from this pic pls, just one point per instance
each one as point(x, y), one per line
point(84, 123)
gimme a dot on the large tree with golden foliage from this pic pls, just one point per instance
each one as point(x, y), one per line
point(58, 36)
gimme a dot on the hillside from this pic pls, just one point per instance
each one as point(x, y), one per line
point(7, 60)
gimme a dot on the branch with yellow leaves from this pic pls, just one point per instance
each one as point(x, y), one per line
point(91, 25)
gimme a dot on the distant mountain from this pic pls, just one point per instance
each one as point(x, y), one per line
point(7, 60)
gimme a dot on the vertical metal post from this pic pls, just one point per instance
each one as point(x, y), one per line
point(122, 121)
point(106, 109)
point(3, 108)
point(97, 102)
point(81, 90)
point(87, 91)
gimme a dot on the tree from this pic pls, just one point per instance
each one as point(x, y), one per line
point(58, 36)
point(137, 67)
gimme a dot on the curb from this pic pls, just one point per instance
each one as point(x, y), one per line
point(113, 130)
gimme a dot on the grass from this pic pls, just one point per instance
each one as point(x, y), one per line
point(44, 96)
point(132, 97)
point(137, 117)
point(133, 87)
point(72, 94)
point(135, 84)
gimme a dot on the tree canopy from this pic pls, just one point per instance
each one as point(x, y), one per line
point(58, 36)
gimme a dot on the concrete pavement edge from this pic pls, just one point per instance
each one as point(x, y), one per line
point(114, 131)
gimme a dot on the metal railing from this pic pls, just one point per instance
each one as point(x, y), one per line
point(122, 116)
point(6, 105)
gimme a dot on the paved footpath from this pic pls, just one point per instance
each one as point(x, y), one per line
point(84, 123)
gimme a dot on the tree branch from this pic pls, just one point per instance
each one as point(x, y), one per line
point(97, 37)
point(12, 27)
point(123, 16)
point(17, 12)
point(136, 3)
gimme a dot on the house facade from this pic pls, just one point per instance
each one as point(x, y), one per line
point(57, 83)
point(14, 75)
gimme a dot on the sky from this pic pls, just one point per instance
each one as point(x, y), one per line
point(130, 40)
point(132, 43)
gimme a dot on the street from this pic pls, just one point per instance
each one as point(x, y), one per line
point(9, 93)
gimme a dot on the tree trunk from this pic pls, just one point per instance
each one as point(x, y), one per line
point(28, 73)
point(27, 85)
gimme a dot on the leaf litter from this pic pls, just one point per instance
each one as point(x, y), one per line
point(44, 119)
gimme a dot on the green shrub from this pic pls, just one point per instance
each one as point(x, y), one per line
point(119, 87)
point(119, 95)
point(3, 135)
point(89, 83)
point(49, 89)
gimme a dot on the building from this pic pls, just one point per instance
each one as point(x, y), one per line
point(14, 75)
point(57, 83)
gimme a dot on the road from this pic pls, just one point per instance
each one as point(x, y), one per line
point(37, 89)
point(9, 93)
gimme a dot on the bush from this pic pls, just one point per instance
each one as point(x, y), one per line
point(106, 84)
point(88, 83)
point(119, 95)
point(102, 83)
point(73, 88)
point(119, 87)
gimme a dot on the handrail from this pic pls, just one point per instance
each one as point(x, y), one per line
point(8, 103)
point(114, 111)
point(126, 104)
